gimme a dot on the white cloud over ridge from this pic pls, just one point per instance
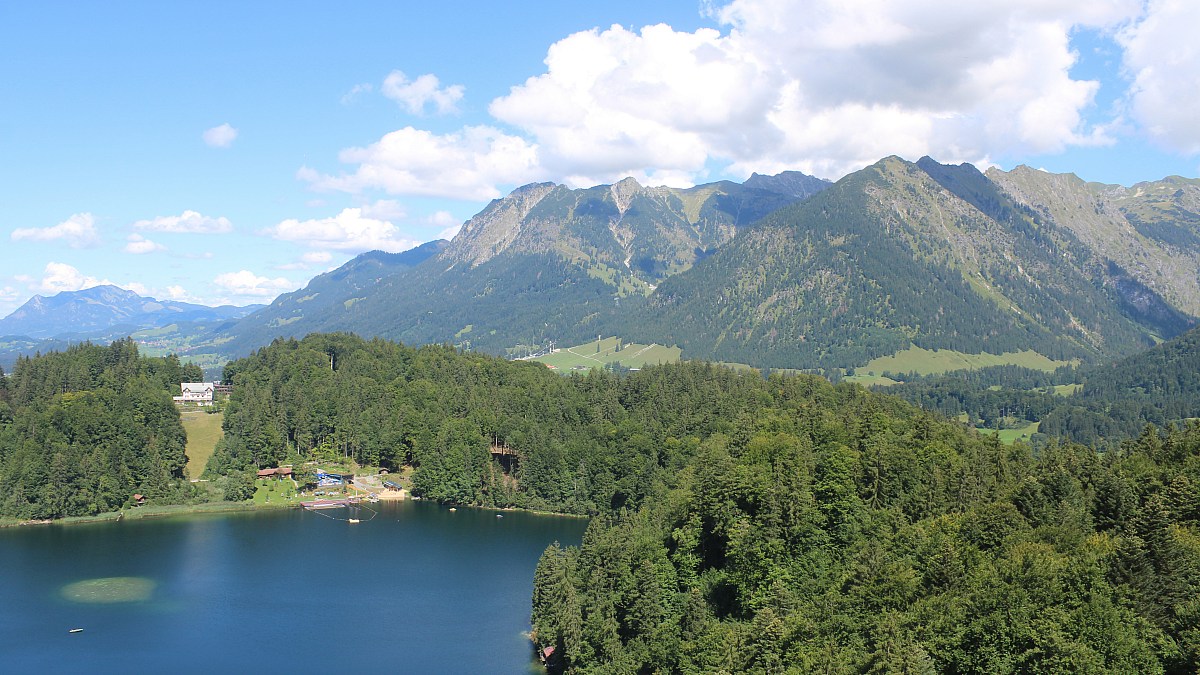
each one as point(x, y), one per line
point(246, 284)
point(78, 231)
point(221, 136)
point(349, 231)
point(189, 221)
point(58, 277)
point(469, 164)
point(823, 86)
point(416, 94)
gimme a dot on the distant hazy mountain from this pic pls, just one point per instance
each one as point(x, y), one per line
point(99, 311)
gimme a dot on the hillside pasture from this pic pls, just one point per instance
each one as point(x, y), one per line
point(203, 433)
point(936, 361)
point(599, 353)
point(1010, 436)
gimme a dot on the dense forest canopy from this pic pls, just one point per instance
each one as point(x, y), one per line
point(741, 522)
point(1114, 401)
point(82, 431)
point(889, 546)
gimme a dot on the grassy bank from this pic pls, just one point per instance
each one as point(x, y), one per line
point(148, 511)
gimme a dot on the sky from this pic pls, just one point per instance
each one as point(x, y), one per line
point(226, 152)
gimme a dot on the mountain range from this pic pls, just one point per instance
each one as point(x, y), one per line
point(781, 271)
point(106, 310)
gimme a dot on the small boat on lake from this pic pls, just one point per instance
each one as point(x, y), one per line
point(75, 630)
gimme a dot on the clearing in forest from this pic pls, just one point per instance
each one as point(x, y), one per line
point(203, 432)
point(935, 361)
point(599, 353)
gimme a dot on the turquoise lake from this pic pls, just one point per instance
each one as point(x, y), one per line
point(417, 589)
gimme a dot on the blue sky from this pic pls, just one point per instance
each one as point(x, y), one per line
point(227, 152)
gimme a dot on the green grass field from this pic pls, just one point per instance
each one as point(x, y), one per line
point(203, 432)
point(272, 492)
point(1010, 436)
point(932, 362)
point(596, 354)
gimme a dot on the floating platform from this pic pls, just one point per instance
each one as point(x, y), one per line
point(329, 503)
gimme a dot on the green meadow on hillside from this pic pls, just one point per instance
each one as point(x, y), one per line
point(935, 361)
point(203, 432)
point(599, 353)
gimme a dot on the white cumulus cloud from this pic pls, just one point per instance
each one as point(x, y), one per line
point(140, 245)
point(247, 284)
point(221, 136)
point(187, 222)
point(349, 231)
point(470, 164)
point(415, 95)
point(78, 231)
point(58, 277)
point(317, 257)
point(1162, 57)
point(824, 86)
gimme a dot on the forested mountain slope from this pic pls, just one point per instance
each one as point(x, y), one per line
point(782, 272)
point(544, 263)
point(1159, 386)
point(1112, 401)
point(321, 304)
point(900, 254)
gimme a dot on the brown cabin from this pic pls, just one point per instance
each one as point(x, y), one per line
point(138, 500)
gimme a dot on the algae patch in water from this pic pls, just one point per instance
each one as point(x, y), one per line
point(110, 589)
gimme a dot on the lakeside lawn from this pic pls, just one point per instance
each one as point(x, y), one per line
point(272, 492)
point(203, 433)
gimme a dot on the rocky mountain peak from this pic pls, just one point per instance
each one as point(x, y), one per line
point(496, 227)
point(623, 192)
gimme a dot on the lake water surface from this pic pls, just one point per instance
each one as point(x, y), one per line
point(418, 589)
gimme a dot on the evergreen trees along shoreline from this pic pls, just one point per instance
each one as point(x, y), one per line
point(82, 431)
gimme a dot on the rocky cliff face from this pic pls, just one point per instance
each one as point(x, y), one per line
point(626, 234)
point(1151, 230)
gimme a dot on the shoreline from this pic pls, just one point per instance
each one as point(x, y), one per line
point(146, 512)
point(167, 510)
